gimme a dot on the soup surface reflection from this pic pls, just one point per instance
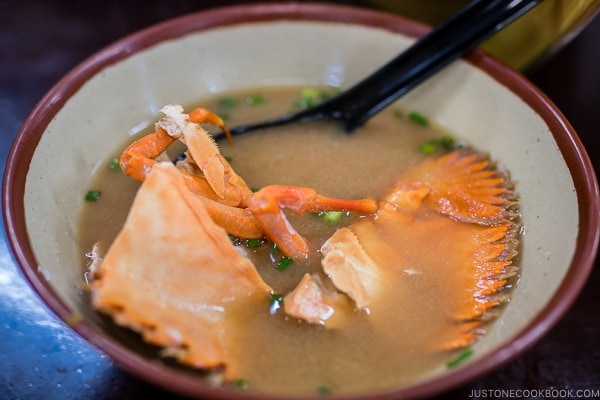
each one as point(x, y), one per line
point(280, 354)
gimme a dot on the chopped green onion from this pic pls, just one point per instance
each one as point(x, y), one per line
point(303, 104)
point(308, 97)
point(253, 243)
point(398, 114)
point(461, 358)
point(418, 119)
point(241, 384)
point(284, 263)
point(331, 216)
point(428, 147)
point(255, 100)
point(310, 93)
point(93, 195)
point(228, 102)
point(114, 164)
point(445, 143)
point(276, 301)
point(323, 391)
point(276, 297)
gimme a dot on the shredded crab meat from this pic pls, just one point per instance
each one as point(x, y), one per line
point(175, 121)
point(315, 303)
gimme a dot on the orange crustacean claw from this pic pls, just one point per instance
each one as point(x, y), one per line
point(138, 159)
point(227, 197)
point(219, 181)
point(268, 204)
point(200, 115)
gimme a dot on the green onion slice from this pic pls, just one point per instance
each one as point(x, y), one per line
point(276, 302)
point(114, 165)
point(418, 118)
point(253, 243)
point(461, 358)
point(228, 102)
point(284, 263)
point(256, 100)
point(241, 384)
point(323, 390)
point(93, 195)
point(331, 216)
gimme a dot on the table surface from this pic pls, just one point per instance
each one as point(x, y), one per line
point(42, 358)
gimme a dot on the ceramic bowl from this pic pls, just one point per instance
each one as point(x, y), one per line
point(112, 94)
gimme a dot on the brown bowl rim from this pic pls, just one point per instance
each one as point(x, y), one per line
point(30, 133)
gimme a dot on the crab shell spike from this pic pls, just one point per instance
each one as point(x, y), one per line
point(469, 333)
point(466, 186)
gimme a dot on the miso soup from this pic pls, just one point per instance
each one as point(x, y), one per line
point(279, 354)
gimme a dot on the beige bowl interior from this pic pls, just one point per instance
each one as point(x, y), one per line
point(124, 98)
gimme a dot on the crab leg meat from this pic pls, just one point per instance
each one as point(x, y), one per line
point(228, 199)
point(268, 204)
point(203, 149)
point(138, 158)
point(220, 182)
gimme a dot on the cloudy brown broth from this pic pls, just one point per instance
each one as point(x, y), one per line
point(280, 354)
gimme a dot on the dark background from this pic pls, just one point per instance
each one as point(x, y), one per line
point(40, 357)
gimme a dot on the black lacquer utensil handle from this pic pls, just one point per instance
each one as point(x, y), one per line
point(462, 33)
point(447, 42)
